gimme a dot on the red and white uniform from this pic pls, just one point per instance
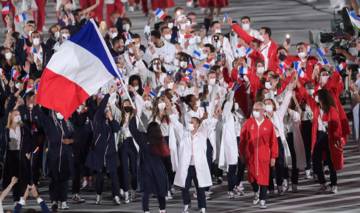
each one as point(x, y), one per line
point(269, 50)
point(259, 145)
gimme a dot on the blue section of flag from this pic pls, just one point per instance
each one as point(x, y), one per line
point(298, 69)
point(89, 38)
point(197, 53)
point(206, 66)
point(321, 54)
point(243, 70)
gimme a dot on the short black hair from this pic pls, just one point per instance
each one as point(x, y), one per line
point(267, 30)
point(211, 47)
point(156, 34)
point(245, 17)
point(213, 23)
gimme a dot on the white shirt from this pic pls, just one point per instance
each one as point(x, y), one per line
point(264, 49)
point(15, 138)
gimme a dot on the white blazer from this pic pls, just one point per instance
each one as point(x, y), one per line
point(196, 146)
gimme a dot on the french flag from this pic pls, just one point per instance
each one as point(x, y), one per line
point(160, 13)
point(321, 54)
point(14, 73)
point(76, 71)
point(26, 78)
point(248, 51)
point(22, 17)
point(197, 54)
point(298, 69)
point(153, 93)
point(5, 10)
point(243, 71)
point(341, 67)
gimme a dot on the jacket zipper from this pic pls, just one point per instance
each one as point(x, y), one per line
point(257, 152)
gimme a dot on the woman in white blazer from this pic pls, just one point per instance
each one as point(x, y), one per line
point(276, 115)
point(193, 165)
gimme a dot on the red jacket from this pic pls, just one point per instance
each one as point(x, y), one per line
point(258, 144)
point(335, 86)
point(272, 53)
point(334, 129)
point(335, 135)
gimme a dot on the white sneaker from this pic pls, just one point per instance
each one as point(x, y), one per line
point(77, 199)
point(294, 188)
point(84, 184)
point(117, 200)
point(232, 195)
point(240, 189)
point(126, 197)
point(256, 198)
point(285, 185)
point(98, 200)
point(64, 206)
point(202, 210)
point(207, 194)
point(186, 209)
point(169, 196)
point(308, 174)
point(334, 189)
point(122, 193)
point(132, 195)
point(263, 204)
point(162, 211)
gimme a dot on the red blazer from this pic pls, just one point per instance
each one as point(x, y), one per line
point(272, 53)
point(258, 144)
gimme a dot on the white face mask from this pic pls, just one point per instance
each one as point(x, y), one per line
point(218, 31)
point(183, 64)
point(192, 41)
point(114, 34)
point(256, 114)
point(59, 116)
point(324, 79)
point(302, 55)
point(260, 70)
point(174, 99)
point(161, 106)
point(136, 88)
point(170, 25)
point(267, 85)
point(126, 27)
point(170, 85)
point(183, 26)
point(212, 81)
point(218, 45)
point(198, 39)
point(181, 87)
point(137, 45)
point(167, 37)
point(57, 35)
point(8, 55)
point(268, 95)
point(36, 41)
point(311, 92)
point(261, 38)
point(269, 108)
point(30, 32)
point(148, 104)
point(65, 36)
point(31, 106)
point(79, 109)
point(246, 27)
point(191, 127)
point(17, 119)
point(198, 103)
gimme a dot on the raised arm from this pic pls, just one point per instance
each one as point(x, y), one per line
point(242, 34)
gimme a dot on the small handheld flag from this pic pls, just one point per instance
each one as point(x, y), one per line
point(160, 13)
point(298, 69)
point(5, 10)
point(14, 73)
point(355, 20)
point(243, 70)
point(321, 53)
point(340, 67)
point(22, 17)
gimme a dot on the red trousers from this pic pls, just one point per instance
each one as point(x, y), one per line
point(112, 8)
point(40, 14)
